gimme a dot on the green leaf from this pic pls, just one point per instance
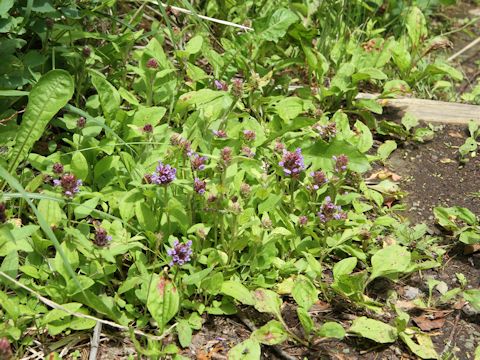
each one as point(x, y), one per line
point(344, 267)
point(238, 291)
point(289, 108)
point(267, 301)
point(470, 145)
point(305, 319)
point(83, 210)
point(272, 333)
point(386, 149)
point(278, 25)
point(473, 297)
point(184, 332)
point(416, 26)
point(194, 45)
point(47, 97)
point(146, 217)
point(331, 330)
point(5, 6)
point(246, 350)
point(304, 292)
point(79, 165)
point(163, 301)
point(393, 259)
point(52, 211)
point(10, 264)
point(374, 330)
point(424, 348)
point(409, 121)
point(197, 277)
point(110, 99)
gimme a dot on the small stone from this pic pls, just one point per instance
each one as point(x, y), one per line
point(411, 292)
point(442, 288)
point(469, 310)
point(346, 351)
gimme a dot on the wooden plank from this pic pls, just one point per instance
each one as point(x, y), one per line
point(431, 110)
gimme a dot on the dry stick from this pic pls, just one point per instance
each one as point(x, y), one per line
point(95, 341)
point(54, 305)
point(469, 46)
point(249, 323)
point(208, 18)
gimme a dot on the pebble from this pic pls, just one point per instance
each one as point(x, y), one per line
point(411, 292)
point(469, 311)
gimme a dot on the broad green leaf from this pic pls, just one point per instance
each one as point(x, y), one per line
point(416, 26)
point(238, 291)
point(393, 259)
point(163, 301)
point(184, 332)
point(85, 209)
point(197, 277)
point(5, 6)
point(10, 264)
point(146, 217)
point(331, 330)
point(365, 138)
point(194, 45)
point(79, 165)
point(52, 211)
point(47, 97)
point(271, 333)
point(344, 267)
point(277, 25)
point(470, 145)
point(423, 348)
point(374, 330)
point(409, 121)
point(473, 297)
point(289, 108)
point(305, 319)
point(110, 99)
point(246, 350)
point(304, 292)
point(267, 301)
point(9, 304)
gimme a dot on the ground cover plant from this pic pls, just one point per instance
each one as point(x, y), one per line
point(158, 169)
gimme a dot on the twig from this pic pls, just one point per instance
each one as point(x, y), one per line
point(97, 331)
point(469, 46)
point(54, 305)
point(448, 345)
point(208, 18)
point(249, 323)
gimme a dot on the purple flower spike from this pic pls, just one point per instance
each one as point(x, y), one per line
point(101, 237)
point(164, 174)
point(330, 211)
point(197, 161)
point(69, 183)
point(220, 85)
point(221, 134)
point(249, 135)
point(292, 162)
point(199, 186)
point(5, 349)
point(318, 179)
point(180, 253)
point(341, 162)
point(302, 220)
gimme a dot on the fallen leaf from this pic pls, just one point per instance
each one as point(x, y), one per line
point(446, 161)
point(384, 174)
point(320, 306)
point(432, 321)
point(405, 305)
point(455, 134)
point(471, 248)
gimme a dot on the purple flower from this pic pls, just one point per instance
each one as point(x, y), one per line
point(302, 220)
point(3, 215)
point(249, 135)
point(152, 64)
point(226, 155)
point(57, 168)
point(81, 122)
point(330, 211)
point(326, 131)
point(197, 162)
point(292, 162)
point(182, 143)
point(101, 237)
point(220, 85)
point(199, 186)
point(279, 147)
point(318, 179)
point(237, 87)
point(221, 134)
point(5, 349)
point(180, 253)
point(341, 162)
point(69, 183)
point(163, 175)
point(147, 128)
point(248, 152)
point(245, 189)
